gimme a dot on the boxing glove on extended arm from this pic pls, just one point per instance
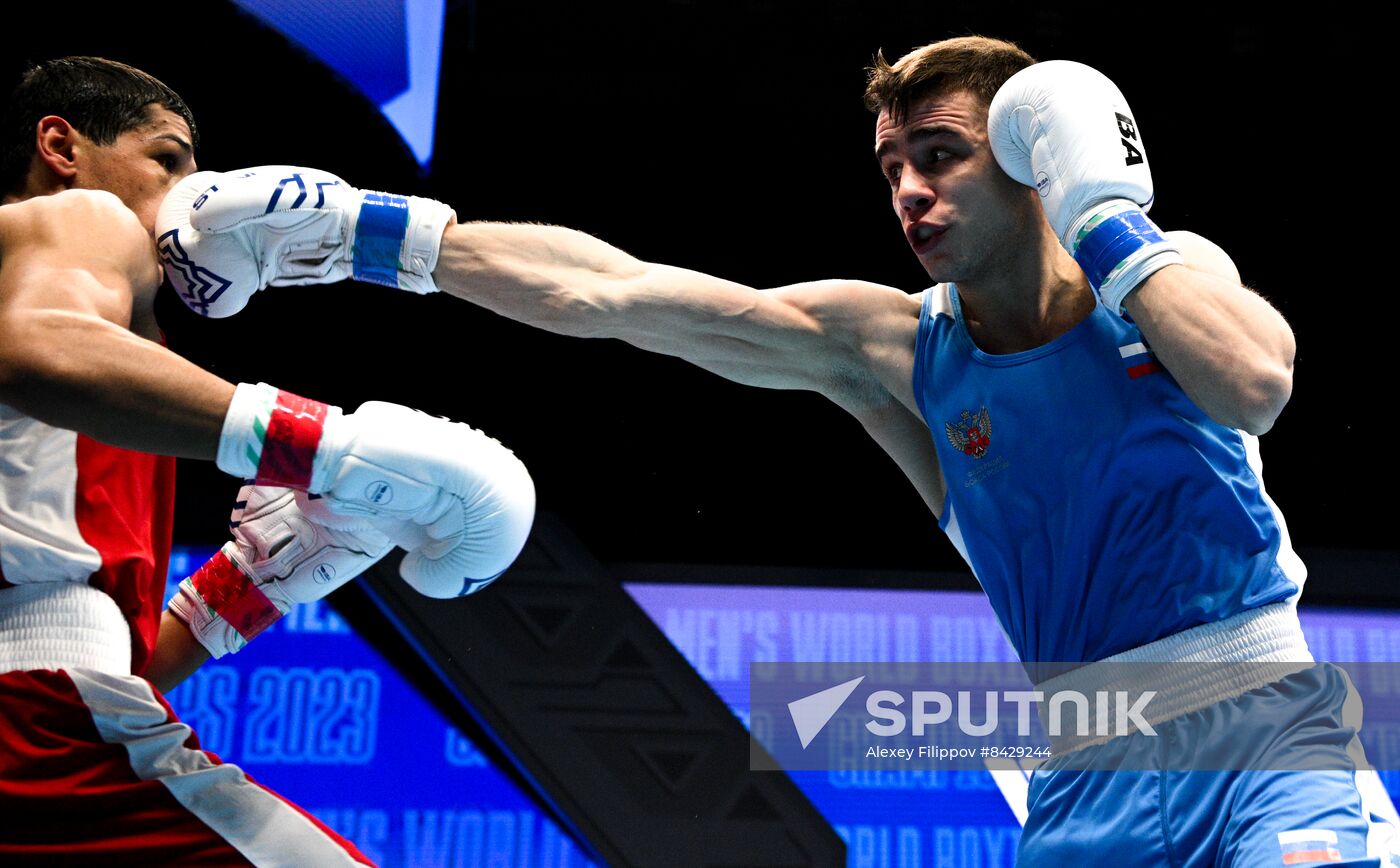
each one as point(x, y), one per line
point(223, 236)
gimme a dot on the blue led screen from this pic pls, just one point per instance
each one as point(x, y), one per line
point(311, 710)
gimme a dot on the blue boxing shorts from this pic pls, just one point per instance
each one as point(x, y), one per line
point(1265, 777)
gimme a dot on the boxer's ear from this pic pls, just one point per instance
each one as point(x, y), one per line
point(56, 146)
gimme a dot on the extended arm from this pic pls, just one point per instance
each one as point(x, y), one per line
point(571, 283)
point(1229, 349)
point(311, 227)
point(850, 341)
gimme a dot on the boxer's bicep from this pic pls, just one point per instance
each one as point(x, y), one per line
point(826, 336)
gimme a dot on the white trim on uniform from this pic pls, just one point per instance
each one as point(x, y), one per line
point(956, 538)
point(1287, 559)
point(255, 822)
point(39, 537)
point(1136, 349)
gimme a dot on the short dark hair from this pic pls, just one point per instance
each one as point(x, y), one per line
point(978, 64)
point(101, 99)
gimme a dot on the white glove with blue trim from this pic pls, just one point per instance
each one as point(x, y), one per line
point(1065, 129)
point(223, 236)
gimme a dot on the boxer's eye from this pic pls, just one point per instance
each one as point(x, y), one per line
point(170, 161)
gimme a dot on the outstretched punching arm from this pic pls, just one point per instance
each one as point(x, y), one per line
point(848, 340)
point(805, 336)
point(224, 236)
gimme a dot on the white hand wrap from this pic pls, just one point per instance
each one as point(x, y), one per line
point(1066, 130)
point(223, 236)
point(279, 557)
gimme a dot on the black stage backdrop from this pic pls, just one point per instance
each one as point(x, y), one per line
point(730, 138)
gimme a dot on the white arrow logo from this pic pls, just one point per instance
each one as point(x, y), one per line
point(811, 713)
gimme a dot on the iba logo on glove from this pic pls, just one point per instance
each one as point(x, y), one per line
point(1127, 129)
point(379, 492)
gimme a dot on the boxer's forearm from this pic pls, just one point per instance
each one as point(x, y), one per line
point(1229, 349)
point(177, 654)
point(551, 277)
point(571, 283)
point(83, 373)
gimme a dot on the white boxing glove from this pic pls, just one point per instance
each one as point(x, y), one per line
point(458, 501)
point(1066, 130)
point(279, 556)
point(223, 236)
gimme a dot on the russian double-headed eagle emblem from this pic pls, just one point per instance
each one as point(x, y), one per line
point(971, 434)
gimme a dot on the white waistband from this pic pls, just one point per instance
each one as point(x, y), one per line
point(62, 625)
point(1191, 669)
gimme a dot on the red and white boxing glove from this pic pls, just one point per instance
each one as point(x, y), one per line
point(223, 236)
point(279, 556)
point(458, 501)
point(1066, 130)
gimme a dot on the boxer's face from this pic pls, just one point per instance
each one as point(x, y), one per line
point(143, 163)
point(954, 202)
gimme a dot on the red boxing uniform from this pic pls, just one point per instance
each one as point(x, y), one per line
point(94, 765)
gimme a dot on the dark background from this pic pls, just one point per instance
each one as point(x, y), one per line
point(730, 138)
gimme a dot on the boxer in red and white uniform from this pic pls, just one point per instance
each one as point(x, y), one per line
point(94, 766)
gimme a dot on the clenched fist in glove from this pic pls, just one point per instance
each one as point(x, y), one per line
point(463, 503)
point(279, 556)
point(1065, 129)
point(223, 236)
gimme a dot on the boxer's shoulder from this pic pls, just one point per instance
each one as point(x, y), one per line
point(874, 326)
point(83, 223)
point(90, 230)
point(856, 311)
point(1202, 254)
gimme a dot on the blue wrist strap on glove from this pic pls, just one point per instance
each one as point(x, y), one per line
point(1112, 240)
point(1118, 249)
point(379, 234)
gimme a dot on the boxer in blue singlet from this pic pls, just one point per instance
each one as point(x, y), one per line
point(1092, 388)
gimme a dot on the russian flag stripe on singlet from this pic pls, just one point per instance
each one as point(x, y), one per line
point(1140, 360)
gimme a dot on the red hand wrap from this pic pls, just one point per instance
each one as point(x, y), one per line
point(229, 592)
point(289, 451)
